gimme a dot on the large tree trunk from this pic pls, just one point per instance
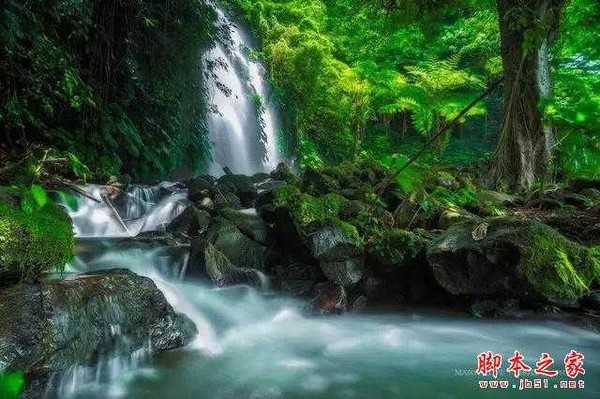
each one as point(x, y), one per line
point(527, 30)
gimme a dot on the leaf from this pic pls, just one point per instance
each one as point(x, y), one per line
point(39, 195)
point(11, 385)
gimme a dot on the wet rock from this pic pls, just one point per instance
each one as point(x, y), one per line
point(339, 252)
point(206, 204)
point(283, 172)
point(239, 245)
point(333, 243)
point(241, 186)
point(329, 298)
point(48, 327)
point(206, 261)
point(512, 257)
point(494, 308)
point(592, 301)
point(344, 272)
point(200, 187)
point(192, 222)
point(249, 223)
point(226, 200)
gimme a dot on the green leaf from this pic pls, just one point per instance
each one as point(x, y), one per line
point(39, 195)
point(11, 385)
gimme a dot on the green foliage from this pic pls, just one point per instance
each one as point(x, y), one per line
point(34, 237)
point(11, 385)
point(575, 107)
point(396, 246)
point(117, 84)
point(344, 67)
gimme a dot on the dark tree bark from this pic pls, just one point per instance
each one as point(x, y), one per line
point(527, 30)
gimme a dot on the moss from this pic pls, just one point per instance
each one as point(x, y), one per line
point(557, 267)
point(350, 231)
point(397, 246)
point(34, 242)
point(307, 209)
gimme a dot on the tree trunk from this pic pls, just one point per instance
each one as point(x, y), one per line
point(527, 30)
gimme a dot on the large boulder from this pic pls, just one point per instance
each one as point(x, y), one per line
point(512, 258)
point(200, 187)
point(206, 261)
point(241, 186)
point(241, 237)
point(50, 326)
point(192, 222)
point(339, 251)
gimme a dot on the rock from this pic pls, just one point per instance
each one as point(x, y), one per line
point(48, 327)
point(494, 308)
point(207, 261)
point(239, 246)
point(344, 272)
point(207, 204)
point(592, 301)
point(283, 172)
point(329, 298)
point(444, 179)
point(298, 279)
point(249, 223)
point(226, 200)
point(316, 182)
point(240, 185)
point(496, 198)
point(450, 216)
point(200, 187)
point(340, 253)
point(515, 259)
point(334, 242)
point(269, 185)
point(192, 222)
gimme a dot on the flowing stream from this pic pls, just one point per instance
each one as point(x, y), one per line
point(253, 344)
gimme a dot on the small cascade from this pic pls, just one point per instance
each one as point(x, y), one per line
point(137, 210)
point(243, 122)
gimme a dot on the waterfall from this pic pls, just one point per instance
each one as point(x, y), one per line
point(243, 121)
point(136, 210)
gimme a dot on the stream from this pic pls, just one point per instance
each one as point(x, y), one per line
point(259, 344)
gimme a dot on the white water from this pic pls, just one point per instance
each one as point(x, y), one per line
point(243, 135)
point(144, 209)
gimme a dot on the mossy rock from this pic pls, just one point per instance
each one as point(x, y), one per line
point(516, 258)
point(306, 209)
point(33, 242)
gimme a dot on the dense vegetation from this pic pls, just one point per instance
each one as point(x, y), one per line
point(115, 83)
point(357, 76)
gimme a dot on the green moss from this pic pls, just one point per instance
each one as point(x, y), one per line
point(350, 231)
point(396, 246)
point(557, 267)
point(34, 242)
point(307, 209)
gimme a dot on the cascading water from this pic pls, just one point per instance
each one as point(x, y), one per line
point(254, 345)
point(244, 121)
point(139, 209)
